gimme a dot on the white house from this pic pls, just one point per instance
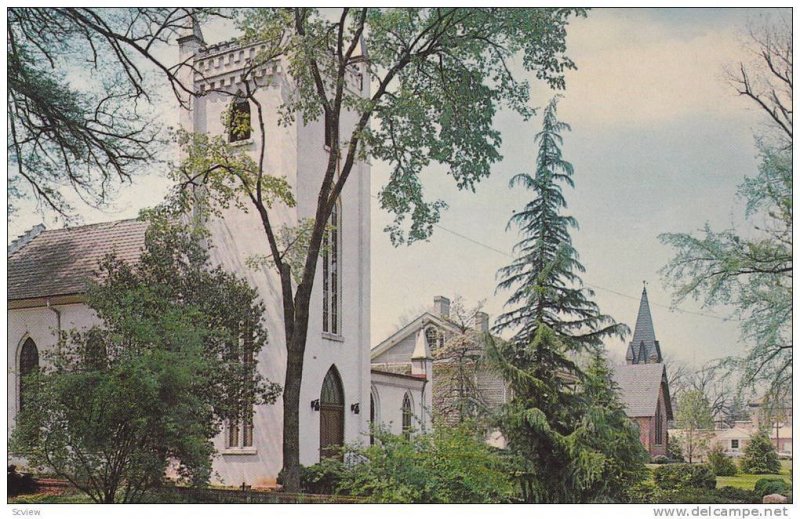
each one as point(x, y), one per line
point(411, 352)
point(48, 270)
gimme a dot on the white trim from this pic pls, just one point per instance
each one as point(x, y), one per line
point(412, 327)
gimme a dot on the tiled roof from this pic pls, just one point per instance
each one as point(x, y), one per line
point(59, 262)
point(644, 347)
point(639, 384)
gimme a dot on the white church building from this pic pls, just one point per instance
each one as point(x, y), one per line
point(48, 270)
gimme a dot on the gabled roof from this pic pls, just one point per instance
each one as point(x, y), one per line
point(644, 347)
point(60, 261)
point(411, 328)
point(639, 385)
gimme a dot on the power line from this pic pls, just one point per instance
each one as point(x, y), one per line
point(598, 287)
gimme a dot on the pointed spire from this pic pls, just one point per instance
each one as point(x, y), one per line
point(191, 30)
point(644, 323)
point(644, 348)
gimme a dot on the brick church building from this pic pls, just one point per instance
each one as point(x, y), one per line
point(643, 383)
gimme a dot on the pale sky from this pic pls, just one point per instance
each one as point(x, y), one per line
point(660, 143)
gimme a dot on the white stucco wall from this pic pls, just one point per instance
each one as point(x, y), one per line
point(297, 153)
point(40, 324)
point(389, 391)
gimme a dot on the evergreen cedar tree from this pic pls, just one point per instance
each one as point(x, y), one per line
point(175, 357)
point(438, 77)
point(567, 427)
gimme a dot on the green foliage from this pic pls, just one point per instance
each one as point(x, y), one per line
point(739, 495)
point(424, 90)
point(766, 486)
point(721, 464)
point(323, 477)
point(760, 456)
point(80, 86)
point(459, 363)
point(175, 356)
point(44, 499)
point(449, 465)
point(750, 270)
point(660, 460)
point(440, 76)
point(650, 494)
point(574, 445)
point(679, 476)
point(695, 421)
point(544, 276)
point(674, 451)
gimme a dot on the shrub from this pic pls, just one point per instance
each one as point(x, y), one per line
point(720, 463)
point(449, 465)
point(739, 495)
point(323, 477)
point(660, 460)
point(760, 456)
point(648, 493)
point(684, 476)
point(674, 452)
point(766, 486)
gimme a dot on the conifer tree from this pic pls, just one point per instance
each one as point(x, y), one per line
point(548, 423)
point(545, 275)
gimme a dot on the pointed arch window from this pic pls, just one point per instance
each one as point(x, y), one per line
point(239, 124)
point(659, 425)
point(407, 414)
point(28, 364)
point(331, 273)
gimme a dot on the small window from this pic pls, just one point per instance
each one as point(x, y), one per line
point(239, 123)
point(407, 414)
point(734, 444)
point(434, 337)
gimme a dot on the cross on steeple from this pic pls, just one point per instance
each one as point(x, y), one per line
point(644, 348)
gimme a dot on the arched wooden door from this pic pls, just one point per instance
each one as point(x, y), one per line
point(331, 415)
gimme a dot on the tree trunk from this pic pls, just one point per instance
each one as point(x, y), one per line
point(296, 333)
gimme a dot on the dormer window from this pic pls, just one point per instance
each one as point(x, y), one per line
point(239, 122)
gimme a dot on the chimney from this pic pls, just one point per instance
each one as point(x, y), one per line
point(441, 306)
point(482, 322)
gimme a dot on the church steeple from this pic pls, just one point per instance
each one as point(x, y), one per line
point(644, 348)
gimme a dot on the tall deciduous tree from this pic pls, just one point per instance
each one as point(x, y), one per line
point(69, 126)
point(176, 355)
point(695, 421)
point(546, 422)
point(459, 367)
point(438, 77)
point(751, 269)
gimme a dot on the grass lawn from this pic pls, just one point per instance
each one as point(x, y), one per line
point(748, 481)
